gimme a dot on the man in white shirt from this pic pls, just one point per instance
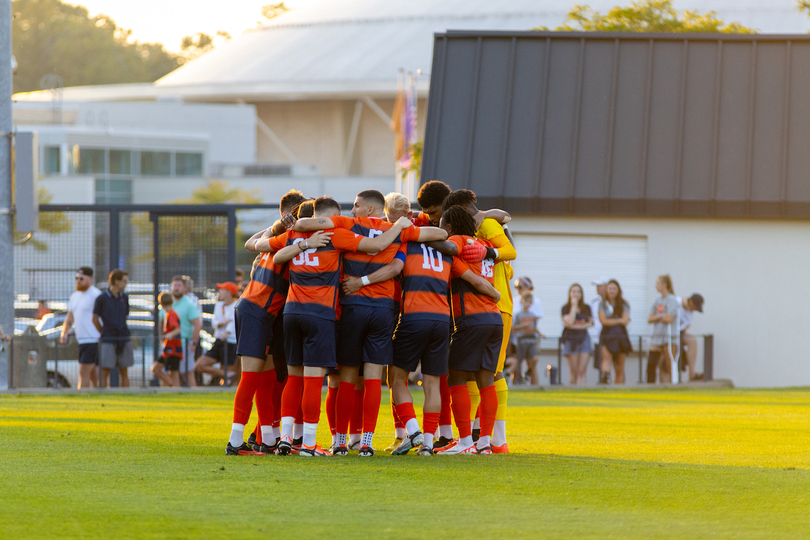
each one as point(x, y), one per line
point(596, 329)
point(224, 349)
point(80, 320)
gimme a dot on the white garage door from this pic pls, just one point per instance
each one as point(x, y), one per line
point(555, 261)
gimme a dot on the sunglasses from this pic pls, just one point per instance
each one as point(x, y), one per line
point(80, 277)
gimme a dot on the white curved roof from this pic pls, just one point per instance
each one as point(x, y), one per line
point(335, 49)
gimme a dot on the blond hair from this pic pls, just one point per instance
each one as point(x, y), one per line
point(397, 204)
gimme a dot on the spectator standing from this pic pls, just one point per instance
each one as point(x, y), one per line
point(665, 335)
point(223, 351)
point(80, 319)
point(524, 285)
point(240, 281)
point(190, 324)
point(110, 313)
point(686, 314)
point(576, 343)
point(43, 309)
point(172, 344)
point(596, 329)
point(527, 335)
point(614, 314)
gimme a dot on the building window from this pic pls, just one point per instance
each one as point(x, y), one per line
point(91, 161)
point(120, 162)
point(113, 191)
point(188, 164)
point(156, 163)
point(51, 160)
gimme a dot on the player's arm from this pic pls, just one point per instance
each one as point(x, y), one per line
point(173, 334)
point(67, 326)
point(313, 224)
point(501, 216)
point(431, 234)
point(375, 245)
point(481, 285)
point(319, 239)
point(255, 243)
point(353, 284)
point(446, 247)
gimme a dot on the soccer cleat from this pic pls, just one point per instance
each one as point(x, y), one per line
point(424, 451)
point(502, 449)
point(449, 446)
point(251, 442)
point(485, 451)
point(243, 450)
point(476, 434)
point(284, 447)
point(355, 446)
point(409, 442)
point(442, 442)
point(314, 451)
point(296, 445)
point(340, 450)
point(394, 445)
point(457, 450)
point(264, 449)
point(366, 451)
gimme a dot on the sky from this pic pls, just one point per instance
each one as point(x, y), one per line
point(179, 18)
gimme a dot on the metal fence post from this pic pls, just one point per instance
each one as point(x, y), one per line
point(232, 244)
point(10, 356)
point(143, 364)
point(708, 357)
point(559, 361)
point(640, 361)
point(56, 364)
point(225, 363)
point(115, 240)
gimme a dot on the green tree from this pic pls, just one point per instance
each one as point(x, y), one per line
point(216, 192)
point(52, 37)
point(49, 222)
point(648, 16)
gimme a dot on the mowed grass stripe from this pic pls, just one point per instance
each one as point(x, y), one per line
point(616, 464)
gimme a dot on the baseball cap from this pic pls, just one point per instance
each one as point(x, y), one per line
point(697, 300)
point(603, 280)
point(86, 270)
point(229, 286)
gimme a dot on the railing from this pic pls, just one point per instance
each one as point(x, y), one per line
point(37, 361)
point(551, 347)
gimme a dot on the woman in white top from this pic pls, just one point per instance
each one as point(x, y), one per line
point(223, 351)
point(665, 336)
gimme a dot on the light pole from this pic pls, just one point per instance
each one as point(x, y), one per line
point(6, 215)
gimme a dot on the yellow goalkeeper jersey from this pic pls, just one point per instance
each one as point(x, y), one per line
point(502, 272)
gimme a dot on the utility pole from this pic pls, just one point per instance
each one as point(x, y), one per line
point(6, 233)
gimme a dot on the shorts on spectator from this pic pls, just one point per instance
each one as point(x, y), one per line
point(584, 346)
point(526, 348)
point(171, 363)
point(88, 353)
point(112, 355)
point(222, 350)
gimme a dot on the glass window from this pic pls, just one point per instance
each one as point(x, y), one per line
point(187, 164)
point(156, 163)
point(113, 191)
point(120, 162)
point(91, 161)
point(51, 160)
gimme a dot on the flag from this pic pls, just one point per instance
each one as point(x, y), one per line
point(398, 123)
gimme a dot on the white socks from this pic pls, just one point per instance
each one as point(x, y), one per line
point(310, 430)
point(428, 440)
point(237, 435)
point(499, 433)
point(298, 432)
point(354, 437)
point(464, 442)
point(446, 431)
point(367, 438)
point(477, 423)
point(277, 432)
point(340, 439)
point(412, 426)
point(287, 427)
point(483, 442)
point(268, 437)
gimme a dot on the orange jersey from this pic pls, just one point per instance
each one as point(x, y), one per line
point(422, 220)
point(425, 283)
point(470, 307)
point(315, 273)
point(363, 264)
point(266, 293)
point(174, 346)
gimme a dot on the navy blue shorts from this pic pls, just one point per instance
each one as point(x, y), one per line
point(88, 353)
point(474, 348)
point(425, 341)
point(309, 341)
point(366, 335)
point(277, 346)
point(254, 336)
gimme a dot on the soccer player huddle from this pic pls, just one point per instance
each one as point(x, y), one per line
point(348, 297)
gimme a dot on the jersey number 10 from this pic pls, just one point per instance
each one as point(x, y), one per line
point(430, 260)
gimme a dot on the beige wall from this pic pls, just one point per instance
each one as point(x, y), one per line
point(317, 132)
point(753, 275)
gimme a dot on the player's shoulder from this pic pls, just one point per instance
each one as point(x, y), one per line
point(489, 228)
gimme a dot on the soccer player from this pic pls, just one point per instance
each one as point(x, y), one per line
point(309, 319)
point(423, 334)
point(475, 345)
point(257, 333)
point(502, 251)
point(368, 315)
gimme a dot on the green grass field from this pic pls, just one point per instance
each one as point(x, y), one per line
point(584, 464)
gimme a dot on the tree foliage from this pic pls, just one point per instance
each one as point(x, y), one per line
point(648, 16)
point(216, 192)
point(271, 11)
point(52, 37)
